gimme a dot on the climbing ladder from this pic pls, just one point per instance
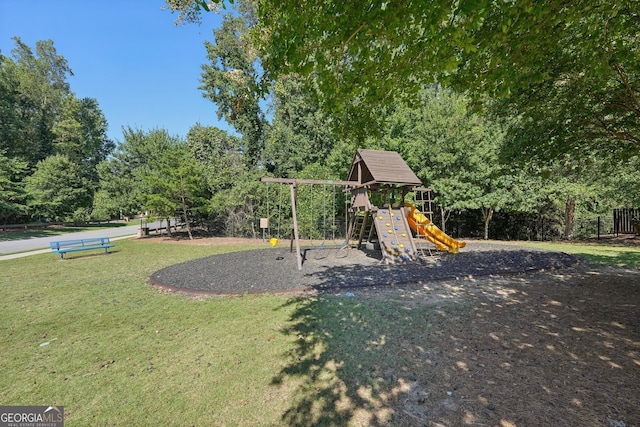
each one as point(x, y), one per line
point(423, 202)
point(360, 228)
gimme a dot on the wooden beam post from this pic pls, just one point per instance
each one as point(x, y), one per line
point(294, 215)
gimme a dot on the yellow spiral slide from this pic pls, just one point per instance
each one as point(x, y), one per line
point(424, 228)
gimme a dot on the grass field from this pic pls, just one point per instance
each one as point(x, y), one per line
point(90, 334)
point(594, 253)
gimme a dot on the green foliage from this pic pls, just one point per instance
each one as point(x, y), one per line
point(231, 81)
point(12, 195)
point(579, 59)
point(104, 207)
point(583, 56)
point(154, 171)
point(80, 133)
point(219, 153)
point(452, 150)
point(9, 111)
point(621, 188)
point(189, 10)
point(300, 134)
point(321, 210)
point(234, 191)
point(39, 83)
point(174, 183)
point(236, 210)
point(40, 117)
point(571, 70)
point(560, 80)
point(120, 190)
point(357, 56)
point(56, 189)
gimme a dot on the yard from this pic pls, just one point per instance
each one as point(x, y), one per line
point(547, 348)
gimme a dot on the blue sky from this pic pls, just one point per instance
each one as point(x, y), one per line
point(128, 54)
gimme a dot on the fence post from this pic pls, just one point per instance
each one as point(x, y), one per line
point(598, 228)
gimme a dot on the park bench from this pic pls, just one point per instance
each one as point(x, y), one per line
point(63, 246)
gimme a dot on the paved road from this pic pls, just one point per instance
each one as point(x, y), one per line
point(37, 243)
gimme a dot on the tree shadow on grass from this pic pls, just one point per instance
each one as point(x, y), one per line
point(346, 362)
point(521, 351)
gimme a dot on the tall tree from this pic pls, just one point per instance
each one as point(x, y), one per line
point(57, 189)
point(40, 89)
point(119, 191)
point(12, 194)
point(219, 153)
point(10, 117)
point(40, 117)
point(236, 209)
point(231, 81)
point(120, 175)
point(452, 150)
point(300, 133)
point(80, 133)
point(174, 183)
point(152, 171)
point(362, 55)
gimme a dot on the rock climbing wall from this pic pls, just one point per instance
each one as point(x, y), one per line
point(394, 236)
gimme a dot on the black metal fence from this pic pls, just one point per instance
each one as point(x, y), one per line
point(522, 226)
point(593, 227)
point(626, 221)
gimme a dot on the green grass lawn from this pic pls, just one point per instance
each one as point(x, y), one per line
point(90, 334)
point(595, 254)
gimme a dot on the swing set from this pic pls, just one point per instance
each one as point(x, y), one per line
point(310, 222)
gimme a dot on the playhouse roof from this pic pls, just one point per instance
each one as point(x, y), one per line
point(371, 167)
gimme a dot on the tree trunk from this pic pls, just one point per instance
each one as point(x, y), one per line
point(569, 217)
point(487, 214)
point(186, 216)
point(168, 227)
point(444, 217)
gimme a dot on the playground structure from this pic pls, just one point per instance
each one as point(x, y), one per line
point(379, 217)
point(383, 178)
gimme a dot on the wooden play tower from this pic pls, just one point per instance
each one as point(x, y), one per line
point(379, 182)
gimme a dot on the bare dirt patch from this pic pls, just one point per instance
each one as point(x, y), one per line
point(542, 349)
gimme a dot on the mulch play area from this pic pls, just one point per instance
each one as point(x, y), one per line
point(329, 268)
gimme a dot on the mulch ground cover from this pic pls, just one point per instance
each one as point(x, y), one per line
point(331, 268)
